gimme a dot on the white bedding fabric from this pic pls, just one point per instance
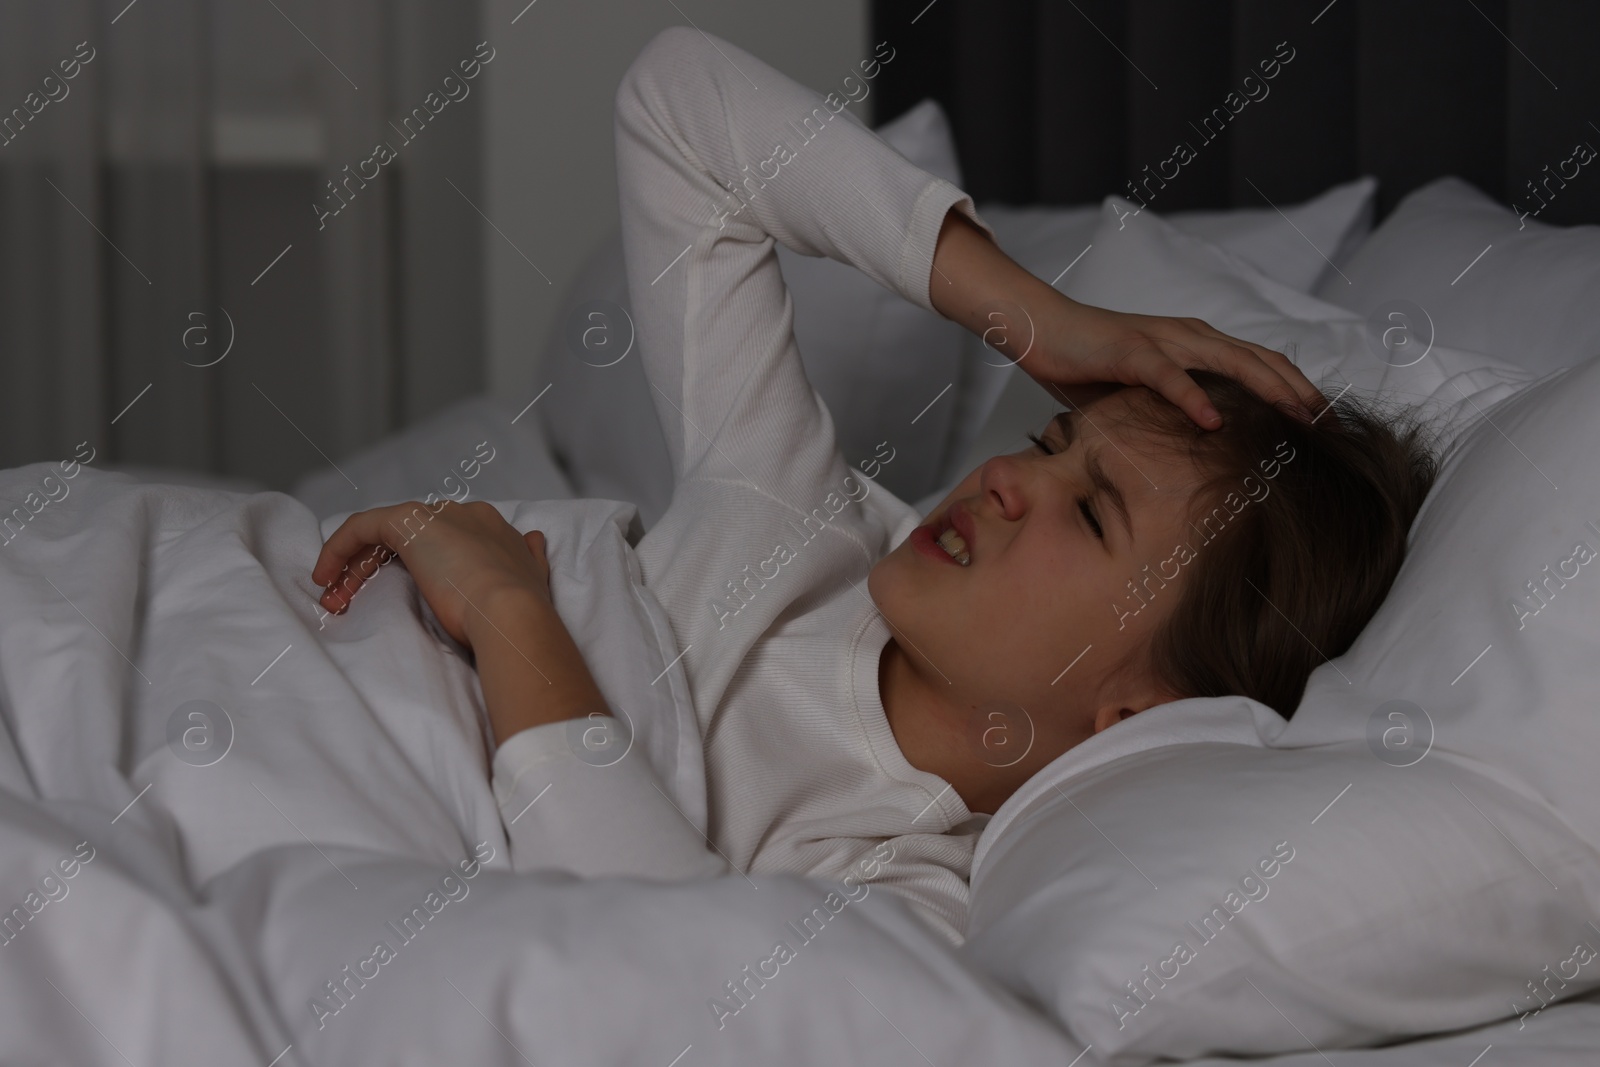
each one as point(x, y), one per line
point(203, 924)
point(1528, 297)
point(208, 904)
point(130, 601)
point(375, 745)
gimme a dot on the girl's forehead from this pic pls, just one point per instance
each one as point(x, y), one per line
point(1132, 448)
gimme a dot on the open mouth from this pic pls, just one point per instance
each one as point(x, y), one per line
point(954, 546)
point(942, 539)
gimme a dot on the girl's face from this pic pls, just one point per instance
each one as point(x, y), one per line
point(1020, 644)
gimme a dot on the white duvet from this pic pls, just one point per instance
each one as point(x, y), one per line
point(233, 830)
point(313, 870)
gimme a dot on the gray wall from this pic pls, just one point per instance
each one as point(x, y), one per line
point(549, 174)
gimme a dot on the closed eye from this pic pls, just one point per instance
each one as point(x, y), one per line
point(1094, 523)
point(1083, 503)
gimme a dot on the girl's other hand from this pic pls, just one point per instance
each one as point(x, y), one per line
point(467, 561)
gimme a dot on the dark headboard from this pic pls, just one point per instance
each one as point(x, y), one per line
point(1064, 101)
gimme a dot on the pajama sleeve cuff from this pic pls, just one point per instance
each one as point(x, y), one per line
point(565, 812)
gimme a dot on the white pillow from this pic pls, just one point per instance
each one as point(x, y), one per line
point(1361, 902)
point(1529, 299)
point(1289, 246)
point(1493, 624)
point(1299, 244)
point(1424, 899)
point(876, 359)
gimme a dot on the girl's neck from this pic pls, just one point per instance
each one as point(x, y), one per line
point(931, 731)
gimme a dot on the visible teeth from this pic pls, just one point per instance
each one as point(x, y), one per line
point(952, 543)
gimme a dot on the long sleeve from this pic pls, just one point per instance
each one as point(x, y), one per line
point(761, 559)
point(592, 818)
point(718, 156)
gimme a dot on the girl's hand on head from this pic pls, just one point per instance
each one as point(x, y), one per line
point(1077, 351)
point(466, 559)
point(1075, 346)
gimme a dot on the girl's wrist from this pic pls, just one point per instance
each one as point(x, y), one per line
point(505, 609)
point(975, 283)
point(530, 668)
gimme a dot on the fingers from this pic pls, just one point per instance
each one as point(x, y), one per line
point(537, 546)
point(535, 540)
point(1258, 374)
point(1157, 352)
point(1304, 387)
point(1300, 389)
point(1162, 365)
point(363, 542)
point(1167, 377)
point(1268, 374)
point(363, 566)
point(360, 530)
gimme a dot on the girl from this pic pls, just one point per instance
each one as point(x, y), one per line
point(851, 663)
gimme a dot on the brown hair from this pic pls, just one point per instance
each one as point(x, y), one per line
point(1294, 576)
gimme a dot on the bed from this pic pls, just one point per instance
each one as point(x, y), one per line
point(266, 836)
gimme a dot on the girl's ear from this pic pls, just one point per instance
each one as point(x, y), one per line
point(1115, 711)
point(1111, 714)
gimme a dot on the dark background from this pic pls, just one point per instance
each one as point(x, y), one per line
point(1064, 101)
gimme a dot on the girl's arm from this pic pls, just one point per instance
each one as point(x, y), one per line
point(568, 797)
point(530, 669)
point(720, 157)
point(567, 803)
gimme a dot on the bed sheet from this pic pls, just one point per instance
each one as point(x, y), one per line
point(215, 805)
point(170, 638)
point(227, 834)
